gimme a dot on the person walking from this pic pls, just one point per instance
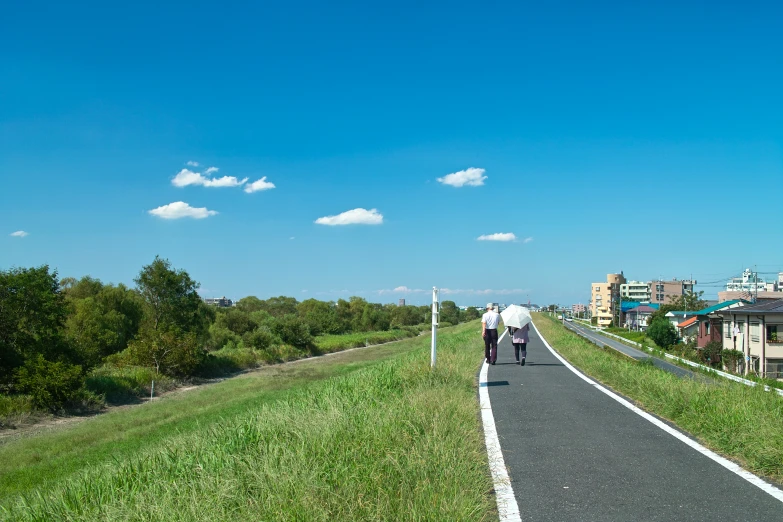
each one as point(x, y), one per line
point(489, 331)
point(520, 338)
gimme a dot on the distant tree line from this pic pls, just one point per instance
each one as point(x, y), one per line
point(54, 332)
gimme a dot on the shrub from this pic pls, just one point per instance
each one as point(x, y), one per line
point(662, 333)
point(260, 339)
point(731, 359)
point(50, 385)
point(219, 336)
point(293, 331)
point(711, 353)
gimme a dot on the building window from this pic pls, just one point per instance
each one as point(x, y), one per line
point(754, 332)
point(775, 333)
point(707, 328)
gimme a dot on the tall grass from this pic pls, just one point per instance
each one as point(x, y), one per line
point(120, 385)
point(391, 441)
point(741, 422)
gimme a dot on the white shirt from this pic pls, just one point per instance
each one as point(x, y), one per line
point(491, 319)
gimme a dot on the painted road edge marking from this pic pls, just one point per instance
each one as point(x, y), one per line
point(726, 463)
point(504, 493)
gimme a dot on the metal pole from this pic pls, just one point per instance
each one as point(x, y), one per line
point(435, 314)
point(152, 391)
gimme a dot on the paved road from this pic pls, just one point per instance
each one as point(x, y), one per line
point(573, 453)
point(634, 353)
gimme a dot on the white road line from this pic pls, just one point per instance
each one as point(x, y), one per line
point(729, 465)
point(504, 493)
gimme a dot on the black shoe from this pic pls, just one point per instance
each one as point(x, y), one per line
point(522, 362)
point(517, 361)
point(493, 363)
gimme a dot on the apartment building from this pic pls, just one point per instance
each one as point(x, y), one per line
point(605, 299)
point(636, 291)
point(662, 292)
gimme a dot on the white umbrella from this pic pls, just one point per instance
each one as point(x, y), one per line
point(516, 316)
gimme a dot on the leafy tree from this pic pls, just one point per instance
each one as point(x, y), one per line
point(406, 315)
point(32, 313)
point(103, 324)
point(170, 352)
point(320, 316)
point(80, 288)
point(374, 318)
point(237, 321)
point(261, 338)
point(471, 314)
point(690, 301)
point(250, 304)
point(292, 330)
point(449, 312)
point(662, 333)
point(279, 306)
point(171, 297)
point(710, 354)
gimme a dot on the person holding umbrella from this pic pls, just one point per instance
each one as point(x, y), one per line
point(520, 338)
point(489, 331)
point(517, 319)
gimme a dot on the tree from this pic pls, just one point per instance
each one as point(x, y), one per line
point(238, 321)
point(279, 306)
point(250, 303)
point(662, 333)
point(32, 313)
point(690, 301)
point(103, 324)
point(170, 352)
point(449, 313)
point(171, 297)
point(319, 316)
point(471, 314)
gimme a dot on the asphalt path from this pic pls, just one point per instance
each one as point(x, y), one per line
point(573, 453)
point(602, 340)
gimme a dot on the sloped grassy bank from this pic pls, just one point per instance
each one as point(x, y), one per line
point(390, 441)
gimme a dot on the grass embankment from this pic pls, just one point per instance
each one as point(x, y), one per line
point(738, 421)
point(365, 435)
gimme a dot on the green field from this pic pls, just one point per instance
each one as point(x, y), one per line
point(738, 421)
point(366, 435)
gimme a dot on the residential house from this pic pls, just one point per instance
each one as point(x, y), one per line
point(760, 336)
point(710, 323)
point(688, 329)
point(638, 316)
point(677, 317)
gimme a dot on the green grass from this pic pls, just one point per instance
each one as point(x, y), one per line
point(738, 421)
point(365, 435)
point(331, 343)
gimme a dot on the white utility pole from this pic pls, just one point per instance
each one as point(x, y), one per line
point(435, 315)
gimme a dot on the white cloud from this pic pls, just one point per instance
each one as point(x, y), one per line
point(180, 209)
point(527, 240)
point(19, 233)
point(187, 177)
point(401, 290)
point(259, 185)
point(500, 236)
point(192, 163)
point(472, 177)
point(357, 216)
point(292, 237)
point(211, 170)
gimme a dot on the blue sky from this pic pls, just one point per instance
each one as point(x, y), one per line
point(611, 137)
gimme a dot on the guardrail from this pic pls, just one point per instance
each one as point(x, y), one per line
point(729, 376)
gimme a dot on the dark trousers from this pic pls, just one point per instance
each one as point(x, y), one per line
point(520, 349)
point(491, 345)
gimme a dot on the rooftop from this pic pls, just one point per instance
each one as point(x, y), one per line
point(769, 307)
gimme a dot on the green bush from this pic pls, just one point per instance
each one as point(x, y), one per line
point(293, 331)
point(731, 359)
point(262, 338)
point(662, 333)
point(219, 336)
point(50, 385)
point(710, 354)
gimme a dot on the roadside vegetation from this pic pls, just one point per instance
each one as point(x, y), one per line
point(289, 442)
point(74, 345)
point(741, 422)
